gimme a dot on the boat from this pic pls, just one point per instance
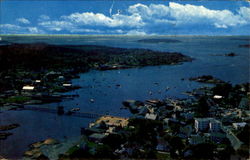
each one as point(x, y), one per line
point(75, 109)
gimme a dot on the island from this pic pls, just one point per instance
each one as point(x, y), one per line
point(245, 46)
point(159, 41)
point(206, 79)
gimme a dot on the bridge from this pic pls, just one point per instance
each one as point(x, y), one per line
point(56, 111)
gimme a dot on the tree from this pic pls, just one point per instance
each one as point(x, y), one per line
point(114, 140)
point(226, 153)
point(244, 135)
point(204, 151)
point(176, 144)
point(222, 89)
point(144, 136)
point(104, 151)
point(202, 107)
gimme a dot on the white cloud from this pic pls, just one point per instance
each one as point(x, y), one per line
point(191, 14)
point(9, 26)
point(98, 19)
point(44, 17)
point(245, 13)
point(146, 19)
point(33, 30)
point(147, 12)
point(179, 14)
point(23, 20)
point(57, 25)
point(16, 29)
point(135, 32)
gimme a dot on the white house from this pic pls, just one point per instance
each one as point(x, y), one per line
point(28, 88)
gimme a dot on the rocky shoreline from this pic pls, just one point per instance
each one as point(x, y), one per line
point(4, 135)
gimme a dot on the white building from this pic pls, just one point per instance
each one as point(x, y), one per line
point(151, 116)
point(201, 124)
point(28, 88)
point(205, 124)
point(214, 125)
point(239, 125)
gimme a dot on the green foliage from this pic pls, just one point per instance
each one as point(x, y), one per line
point(226, 153)
point(144, 135)
point(244, 135)
point(176, 144)
point(203, 151)
point(114, 140)
point(16, 99)
point(104, 151)
point(222, 89)
point(202, 108)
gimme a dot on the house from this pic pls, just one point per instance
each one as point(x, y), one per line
point(196, 139)
point(28, 88)
point(67, 85)
point(235, 142)
point(38, 81)
point(151, 116)
point(97, 137)
point(217, 97)
point(239, 125)
point(217, 137)
point(244, 103)
point(187, 115)
point(185, 131)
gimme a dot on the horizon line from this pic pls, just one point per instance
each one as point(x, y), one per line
point(122, 35)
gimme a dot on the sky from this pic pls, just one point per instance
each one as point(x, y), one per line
point(123, 17)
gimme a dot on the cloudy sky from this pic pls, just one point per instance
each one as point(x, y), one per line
point(125, 17)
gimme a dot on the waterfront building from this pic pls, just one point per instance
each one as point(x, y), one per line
point(207, 124)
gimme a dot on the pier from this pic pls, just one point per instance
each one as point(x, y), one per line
point(59, 112)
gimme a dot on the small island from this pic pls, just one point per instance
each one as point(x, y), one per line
point(231, 54)
point(159, 41)
point(206, 79)
point(4, 135)
point(245, 46)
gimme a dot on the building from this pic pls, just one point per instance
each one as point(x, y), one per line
point(97, 137)
point(207, 124)
point(239, 125)
point(214, 125)
point(111, 121)
point(188, 115)
point(196, 139)
point(201, 124)
point(217, 137)
point(151, 116)
point(28, 88)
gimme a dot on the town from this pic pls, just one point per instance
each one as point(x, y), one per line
point(212, 124)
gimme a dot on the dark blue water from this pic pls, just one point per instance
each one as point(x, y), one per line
point(135, 83)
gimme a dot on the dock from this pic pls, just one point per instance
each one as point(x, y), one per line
point(55, 111)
